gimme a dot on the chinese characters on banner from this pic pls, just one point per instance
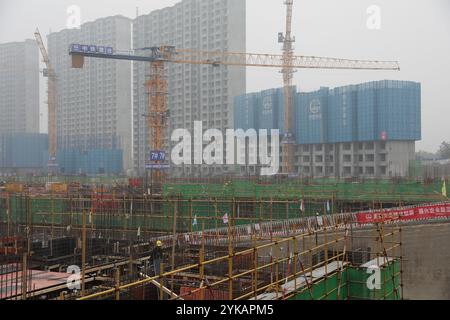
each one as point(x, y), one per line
point(414, 213)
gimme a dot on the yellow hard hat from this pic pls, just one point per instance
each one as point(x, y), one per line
point(158, 243)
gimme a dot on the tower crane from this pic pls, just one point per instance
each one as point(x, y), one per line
point(158, 113)
point(288, 142)
point(49, 73)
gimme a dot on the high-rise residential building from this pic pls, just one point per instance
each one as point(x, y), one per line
point(19, 87)
point(94, 104)
point(367, 130)
point(196, 92)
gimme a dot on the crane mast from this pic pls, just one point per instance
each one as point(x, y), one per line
point(49, 73)
point(288, 141)
point(157, 120)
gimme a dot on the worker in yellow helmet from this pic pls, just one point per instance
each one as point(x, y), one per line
point(158, 258)
point(157, 254)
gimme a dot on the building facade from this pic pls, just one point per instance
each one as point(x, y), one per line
point(23, 152)
point(94, 104)
point(195, 92)
point(19, 87)
point(367, 130)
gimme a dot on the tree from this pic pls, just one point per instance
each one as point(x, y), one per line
point(424, 155)
point(444, 150)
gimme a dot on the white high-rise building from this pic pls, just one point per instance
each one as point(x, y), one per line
point(196, 92)
point(94, 105)
point(19, 87)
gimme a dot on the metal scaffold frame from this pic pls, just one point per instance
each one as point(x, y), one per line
point(279, 253)
point(289, 283)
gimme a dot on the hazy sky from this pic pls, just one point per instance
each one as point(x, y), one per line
point(414, 32)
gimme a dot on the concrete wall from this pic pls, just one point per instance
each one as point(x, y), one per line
point(426, 260)
point(426, 264)
point(399, 156)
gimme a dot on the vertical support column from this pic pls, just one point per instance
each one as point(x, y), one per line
point(255, 266)
point(230, 260)
point(24, 289)
point(83, 253)
point(201, 265)
point(325, 228)
point(161, 281)
point(401, 262)
point(52, 201)
point(8, 214)
point(190, 216)
point(174, 241)
point(117, 284)
point(295, 261)
point(277, 262)
point(174, 233)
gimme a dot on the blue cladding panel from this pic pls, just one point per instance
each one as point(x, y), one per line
point(399, 110)
point(366, 112)
point(341, 115)
point(267, 112)
point(100, 161)
point(245, 111)
point(311, 115)
point(24, 150)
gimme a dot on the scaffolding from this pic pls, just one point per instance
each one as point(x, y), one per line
point(214, 248)
point(325, 261)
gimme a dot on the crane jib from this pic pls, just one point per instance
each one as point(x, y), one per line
point(93, 51)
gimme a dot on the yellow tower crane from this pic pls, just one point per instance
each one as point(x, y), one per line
point(49, 73)
point(158, 112)
point(288, 142)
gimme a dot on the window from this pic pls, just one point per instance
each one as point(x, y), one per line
point(370, 170)
point(369, 146)
point(347, 158)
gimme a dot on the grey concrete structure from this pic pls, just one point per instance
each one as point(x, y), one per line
point(94, 103)
point(196, 93)
point(373, 159)
point(19, 87)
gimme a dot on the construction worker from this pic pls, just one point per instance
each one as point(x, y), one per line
point(157, 256)
point(157, 252)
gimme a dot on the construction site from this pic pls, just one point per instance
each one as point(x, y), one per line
point(234, 240)
point(346, 232)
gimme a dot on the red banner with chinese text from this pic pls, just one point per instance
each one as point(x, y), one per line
point(441, 210)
